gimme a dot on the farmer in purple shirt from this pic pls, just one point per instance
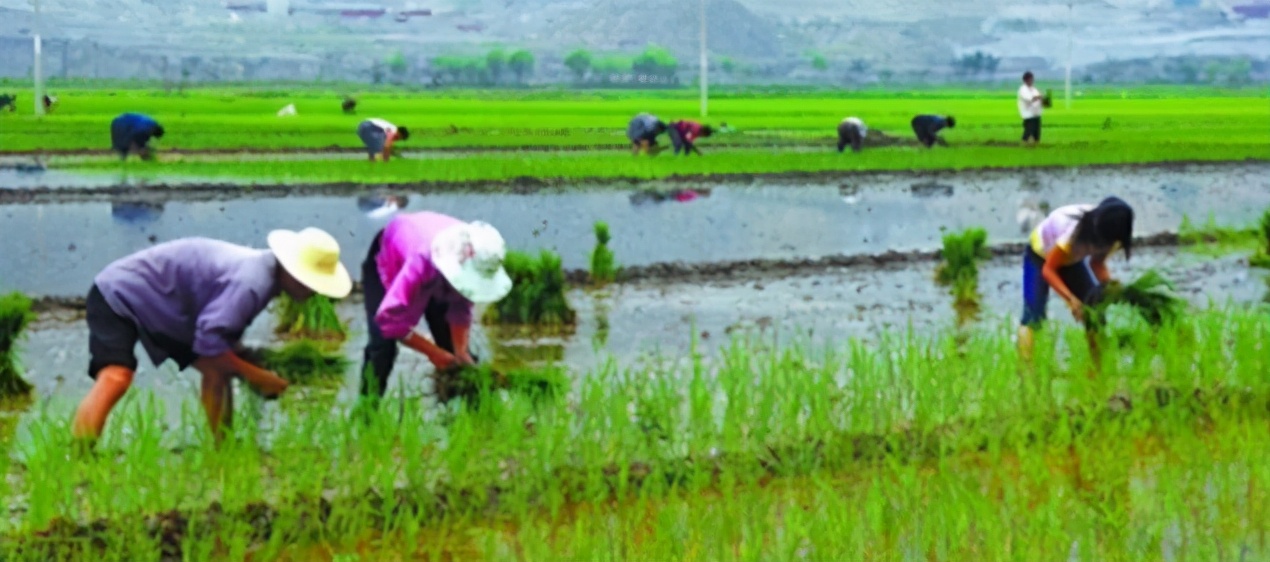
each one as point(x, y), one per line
point(190, 300)
point(430, 266)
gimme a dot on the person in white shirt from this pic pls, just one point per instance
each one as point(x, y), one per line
point(1030, 110)
point(379, 135)
point(851, 131)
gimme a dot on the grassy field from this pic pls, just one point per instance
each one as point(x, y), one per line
point(775, 131)
point(942, 449)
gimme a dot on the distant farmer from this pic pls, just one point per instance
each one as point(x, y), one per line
point(379, 135)
point(431, 266)
point(190, 300)
point(1030, 110)
point(684, 135)
point(349, 106)
point(643, 131)
point(10, 101)
point(927, 127)
point(131, 133)
point(1068, 251)
point(851, 131)
point(49, 102)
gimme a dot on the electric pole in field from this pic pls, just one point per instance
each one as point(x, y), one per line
point(705, 70)
point(37, 71)
point(1067, 96)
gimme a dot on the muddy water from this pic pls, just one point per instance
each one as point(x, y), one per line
point(55, 249)
point(648, 323)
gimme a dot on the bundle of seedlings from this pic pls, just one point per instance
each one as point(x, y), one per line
point(314, 319)
point(538, 292)
point(1151, 296)
point(603, 265)
point(960, 269)
point(1262, 257)
point(301, 361)
point(1048, 100)
point(471, 382)
point(15, 316)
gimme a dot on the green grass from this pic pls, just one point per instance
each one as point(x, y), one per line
point(944, 448)
point(775, 131)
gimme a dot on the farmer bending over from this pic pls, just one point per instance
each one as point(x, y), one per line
point(851, 131)
point(643, 131)
point(379, 135)
point(430, 266)
point(190, 300)
point(684, 135)
point(927, 127)
point(131, 133)
point(1068, 251)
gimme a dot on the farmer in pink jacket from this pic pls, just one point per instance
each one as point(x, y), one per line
point(684, 135)
point(433, 267)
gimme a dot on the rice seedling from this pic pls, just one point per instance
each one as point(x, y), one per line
point(1262, 257)
point(603, 266)
point(960, 269)
point(15, 315)
point(900, 446)
point(1213, 239)
point(314, 319)
point(475, 383)
point(304, 362)
point(538, 292)
point(1151, 296)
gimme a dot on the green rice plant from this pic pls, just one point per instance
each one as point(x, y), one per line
point(305, 361)
point(1262, 257)
point(960, 269)
point(315, 319)
point(15, 316)
point(603, 266)
point(1151, 296)
point(538, 292)
point(475, 383)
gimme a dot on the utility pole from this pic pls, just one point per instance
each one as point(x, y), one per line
point(1067, 97)
point(705, 70)
point(37, 71)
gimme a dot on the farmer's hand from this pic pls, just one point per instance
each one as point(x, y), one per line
point(444, 361)
point(1078, 309)
point(270, 387)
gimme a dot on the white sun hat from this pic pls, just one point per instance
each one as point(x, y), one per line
point(313, 257)
point(470, 256)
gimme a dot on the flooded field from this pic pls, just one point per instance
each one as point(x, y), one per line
point(643, 324)
point(59, 246)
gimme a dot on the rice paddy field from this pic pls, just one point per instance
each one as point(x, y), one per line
point(489, 136)
point(787, 375)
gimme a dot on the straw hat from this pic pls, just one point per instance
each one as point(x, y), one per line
point(470, 256)
point(313, 257)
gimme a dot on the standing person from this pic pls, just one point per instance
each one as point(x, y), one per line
point(927, 127)
point(684, 135)
point(379, 135)
point(131, 132)
point(851, 131)
point(643, 131)
point(431, 266)
point(1068, 251)
point(1029, 99)
point(190, 300)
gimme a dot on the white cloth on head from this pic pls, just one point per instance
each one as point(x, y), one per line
point(864, 131)
point(1029, 107)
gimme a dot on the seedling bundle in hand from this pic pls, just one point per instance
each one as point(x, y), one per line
point(1151, 296)
point(471, 382)
point(304, 361)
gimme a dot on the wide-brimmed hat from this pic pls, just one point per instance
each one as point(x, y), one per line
point(313, 257)
point(470, 256)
